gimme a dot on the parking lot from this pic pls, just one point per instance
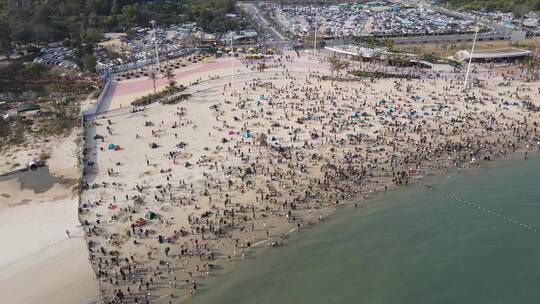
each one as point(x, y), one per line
point(139, 48)
point(61, 56)
point(372, 18)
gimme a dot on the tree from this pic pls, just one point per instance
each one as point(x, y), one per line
point(35, 69)
point(153, 76)
point(532, 69)
point(337, 65)
point(115, 7)
point(21, 31)
point(170, 79)
point(5, 39)
point(89, 63)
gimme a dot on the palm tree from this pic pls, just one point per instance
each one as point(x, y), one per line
point(532, 69)
point(153, 76)
point(170, 78)
point(334, 62)
point(337, 65)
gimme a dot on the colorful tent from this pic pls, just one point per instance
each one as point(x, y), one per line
point(140, 222)
point(150, 215)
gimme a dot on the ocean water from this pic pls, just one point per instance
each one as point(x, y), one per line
point(408, 246)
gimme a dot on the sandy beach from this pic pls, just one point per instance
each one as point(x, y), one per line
point(174, 191)
point(40, 263)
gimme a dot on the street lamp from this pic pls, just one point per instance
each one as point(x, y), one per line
point(316, 29)
point(232, 63)
point(470, 57)
point(153, 22)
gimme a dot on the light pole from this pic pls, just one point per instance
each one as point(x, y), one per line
point(232, 64)
point(470, 58)
point(153, 22)
point(315, 39)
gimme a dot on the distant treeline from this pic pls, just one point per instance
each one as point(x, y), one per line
point(40, 21)
point(519, 7)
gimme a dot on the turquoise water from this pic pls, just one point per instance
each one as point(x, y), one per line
point(407, 246)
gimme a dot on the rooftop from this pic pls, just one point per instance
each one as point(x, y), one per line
point(494, 54)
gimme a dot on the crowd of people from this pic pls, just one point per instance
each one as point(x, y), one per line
point(192, 185)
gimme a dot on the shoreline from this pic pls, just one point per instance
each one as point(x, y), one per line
point(418, 185)
point(197, 111)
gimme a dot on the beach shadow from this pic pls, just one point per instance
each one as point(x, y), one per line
point(39, 180)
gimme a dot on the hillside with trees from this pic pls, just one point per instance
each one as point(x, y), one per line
point(518, 7)
point(41, 21)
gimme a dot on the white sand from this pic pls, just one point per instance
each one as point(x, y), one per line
point(40, 264)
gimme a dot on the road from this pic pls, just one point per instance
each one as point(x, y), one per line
point(266, 30)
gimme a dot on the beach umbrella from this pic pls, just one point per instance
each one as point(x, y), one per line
point(245, 134)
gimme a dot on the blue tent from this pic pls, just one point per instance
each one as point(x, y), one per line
point(410, 113)
point(382, 101)
point(245, 134)
point(110, 146)
point(354, 114)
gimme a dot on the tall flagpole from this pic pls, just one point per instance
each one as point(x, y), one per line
point(470, 59)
